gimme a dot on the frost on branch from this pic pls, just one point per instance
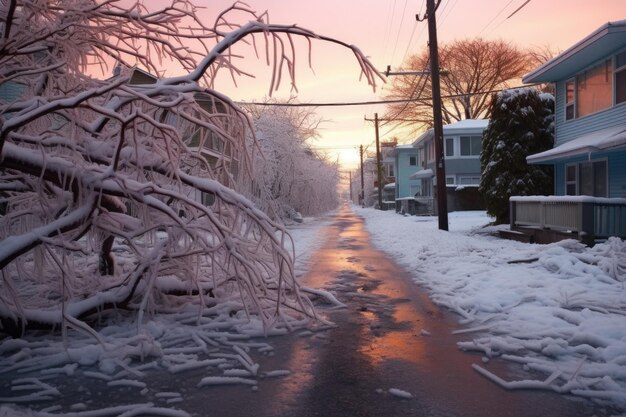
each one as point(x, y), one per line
point(129, 192)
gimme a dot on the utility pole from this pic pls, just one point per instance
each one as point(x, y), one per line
point(435, 72)
point(350, 179)
point(362, 198)
point(442, 201)
point(379, 167)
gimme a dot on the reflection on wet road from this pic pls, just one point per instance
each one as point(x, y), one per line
point(391, 336)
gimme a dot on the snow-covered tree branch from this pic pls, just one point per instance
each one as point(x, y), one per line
point(124, 191)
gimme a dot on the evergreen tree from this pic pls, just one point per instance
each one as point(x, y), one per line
point(521, 124)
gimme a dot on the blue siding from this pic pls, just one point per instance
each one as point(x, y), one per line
point(466, 166)
point(404, 170)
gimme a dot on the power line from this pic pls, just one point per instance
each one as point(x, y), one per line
point(518, 9)
point(388, 36)
point(387, 26)
point(495, 17)
point(393, 55)
point(446, 14)
point(374, 102)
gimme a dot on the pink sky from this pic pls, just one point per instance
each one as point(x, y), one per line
point(382, 30)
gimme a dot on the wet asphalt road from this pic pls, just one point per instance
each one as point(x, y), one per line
point(389, 335)
point(379, 343)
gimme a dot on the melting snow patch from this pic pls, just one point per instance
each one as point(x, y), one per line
point(400, 393)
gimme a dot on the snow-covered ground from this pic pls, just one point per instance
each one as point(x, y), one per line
point(558, 310)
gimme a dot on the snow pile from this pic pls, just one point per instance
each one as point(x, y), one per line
point(557, 310)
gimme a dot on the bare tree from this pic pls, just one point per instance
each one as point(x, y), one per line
point(472, 70)
point(108, 198)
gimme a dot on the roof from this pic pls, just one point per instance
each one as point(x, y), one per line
point(422, 173)
point(604, 41)
point(461, 125)
point(466, 125)
point(600, 140)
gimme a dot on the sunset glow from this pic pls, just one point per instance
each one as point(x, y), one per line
point(382, 30)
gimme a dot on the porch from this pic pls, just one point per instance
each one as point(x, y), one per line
point(555, 218)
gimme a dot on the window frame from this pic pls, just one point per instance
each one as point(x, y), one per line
point(577, 181)
point(470, 136)
point(447, 148)
point(621, 70)
point(569, 182)
point(570, 105)
point(470, 184)
point(616, 71)
point(412, 160)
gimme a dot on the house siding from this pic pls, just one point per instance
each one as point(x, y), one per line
point(404, 170)
point(462, 166)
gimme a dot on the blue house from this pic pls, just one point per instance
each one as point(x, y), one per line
point(407, 162)
point(589, 155)
point(462, 147)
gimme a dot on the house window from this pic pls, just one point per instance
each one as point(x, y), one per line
point(469, 180)
point(470, 145)
point(571, 179)
point(431, 151)
point(413, 160)
point(449, 146)
point(620, 78)
point(570, 86)
point(450, 179)
point(208, 199)
point(587, 178)
point(594, 89)
point(390, 170)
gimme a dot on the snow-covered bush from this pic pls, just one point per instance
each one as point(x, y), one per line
point(521, 124)
point(107, 201)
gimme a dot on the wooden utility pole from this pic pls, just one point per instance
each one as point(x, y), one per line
point(350, 179)
point(362, 198)
point(379, 164)
point(442, 201)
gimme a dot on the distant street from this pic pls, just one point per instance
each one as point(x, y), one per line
point(389, 336)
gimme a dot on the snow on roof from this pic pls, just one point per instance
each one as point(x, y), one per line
point(389, 186)
point(467, 124)
point(604, 139)
point(422, 173)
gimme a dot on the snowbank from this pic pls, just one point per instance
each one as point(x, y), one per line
point(558, 309)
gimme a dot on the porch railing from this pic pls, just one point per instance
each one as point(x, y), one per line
point(415, 205)
point(589, 217)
